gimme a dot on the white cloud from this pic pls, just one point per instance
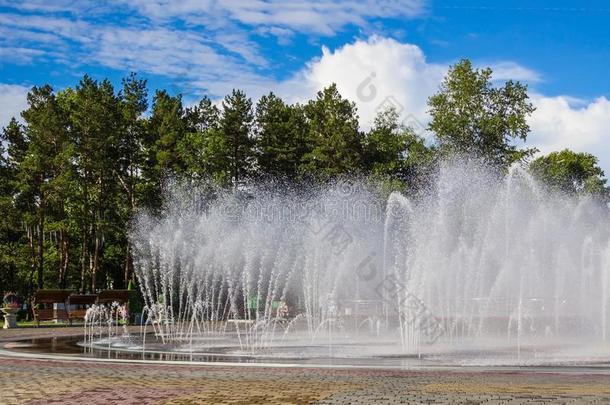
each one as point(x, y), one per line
point(220, 34)
point(159, 51)
point(240, 44)
point(323, 17)
point(19, 56)
point(12, 102)
point(178, 52)
point(282, 35)
point(183, 54)
point(69, 6)
point(204, 46)
point(562, 122)
point(503, 71)
point(372, 73)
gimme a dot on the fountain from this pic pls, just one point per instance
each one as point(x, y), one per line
point(477, 269)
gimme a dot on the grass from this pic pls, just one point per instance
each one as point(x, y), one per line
point(46, 324)
point(32, 324)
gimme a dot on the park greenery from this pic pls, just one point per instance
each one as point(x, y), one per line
point(82, 161)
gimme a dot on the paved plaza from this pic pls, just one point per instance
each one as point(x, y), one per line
point(38, 381)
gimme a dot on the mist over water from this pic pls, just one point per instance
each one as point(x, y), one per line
point(478, 261)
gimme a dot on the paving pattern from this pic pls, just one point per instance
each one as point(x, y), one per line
point(36, 381)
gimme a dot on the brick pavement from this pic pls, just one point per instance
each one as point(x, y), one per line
point(35, 381)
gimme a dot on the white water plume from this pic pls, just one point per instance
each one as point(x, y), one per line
point(478, 260)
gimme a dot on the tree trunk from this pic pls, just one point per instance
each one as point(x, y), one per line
point(236, 164)
point(40, 246)
point(83, 261)
point(30, 233)
point(94, 262)
point(128, 265)
point(63, 258)
point(132, 206)
point(85, 256)
point(98, 217)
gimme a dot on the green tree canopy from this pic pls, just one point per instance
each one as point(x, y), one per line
point(96, 118)
point(334, 140)
point(44, 171)
point(88, 157)
point(237, 144)
point(13, 253)
point(472, 116)
point(393, 150)
point(281, 137)
point(203, 116)
point(167, 128)
point(571, 173)
point(202, 146)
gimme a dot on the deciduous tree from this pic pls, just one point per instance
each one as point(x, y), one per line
point(470, 115)
point(572, 173)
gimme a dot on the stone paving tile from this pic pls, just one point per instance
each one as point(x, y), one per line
point(36, 381)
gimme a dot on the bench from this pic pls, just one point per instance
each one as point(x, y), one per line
point(42, 305)
point(78, 304)
point(109, 296)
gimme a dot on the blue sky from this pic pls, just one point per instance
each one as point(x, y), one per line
point(561, 48)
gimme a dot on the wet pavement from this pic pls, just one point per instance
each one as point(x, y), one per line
point(73, 381)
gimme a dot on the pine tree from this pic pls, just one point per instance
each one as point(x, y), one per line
point(10, 231)
point(42, 174)
point(198, 147)
point(394, 151)
point(237, 143)
point(134, 103)
point(96, 121)
point(335, 143)
point(281, 137)
point(168, 128)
